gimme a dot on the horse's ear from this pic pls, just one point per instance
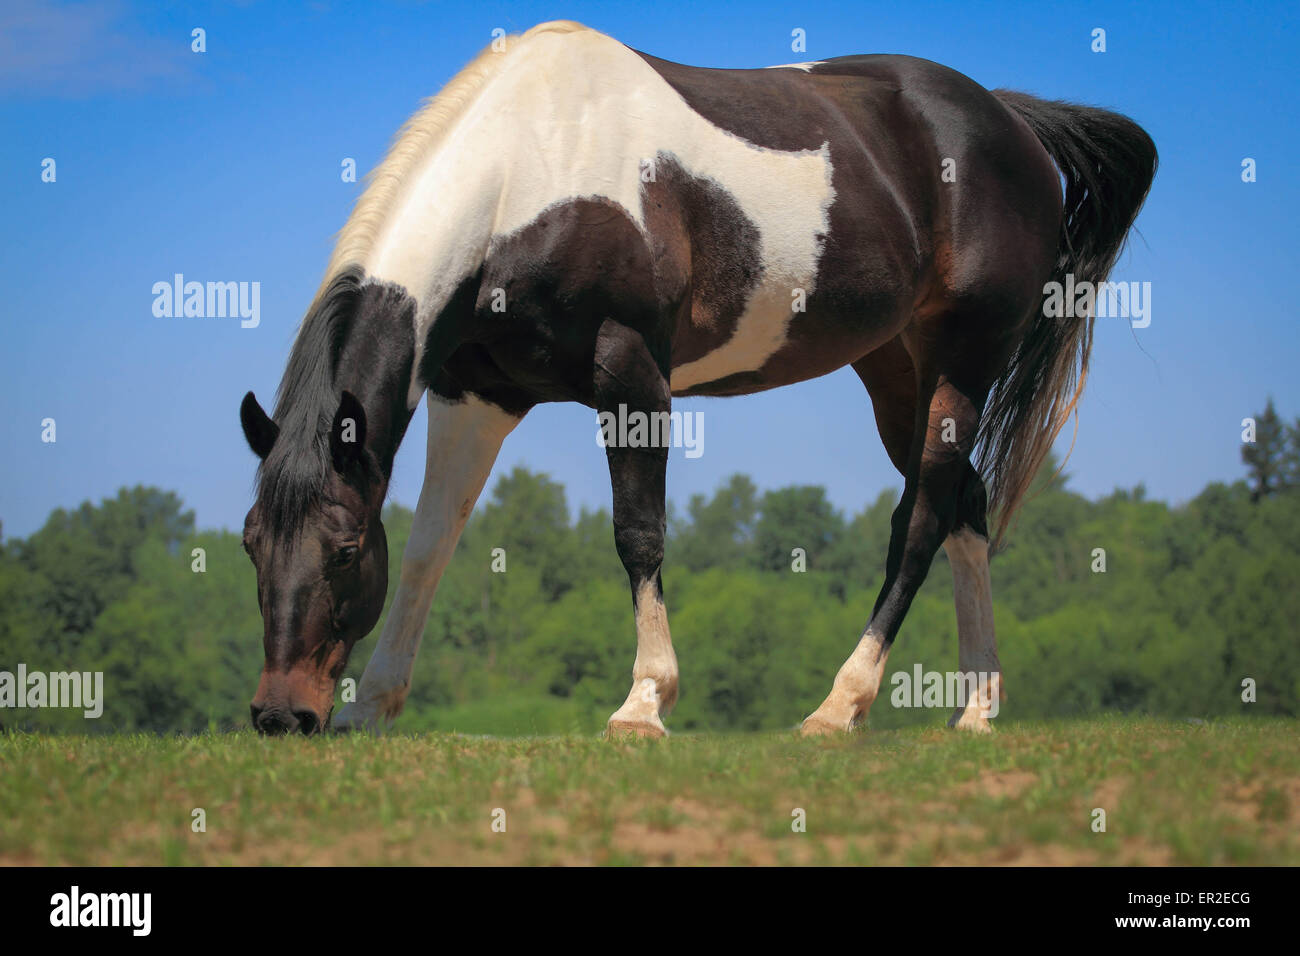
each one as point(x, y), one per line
point(348, 433)
point(260, 431)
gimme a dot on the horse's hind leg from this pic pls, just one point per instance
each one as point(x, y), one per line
point(890, 377)
point(628, 375)
point(968, 555)
point(947, 413)
point(464, 439)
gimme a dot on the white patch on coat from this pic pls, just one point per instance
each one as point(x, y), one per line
point(854, 690)
point(806, 67)
point(464, 439)
point(654, 674)
point(572, 114)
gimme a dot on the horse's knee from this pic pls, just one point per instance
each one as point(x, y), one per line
point(640, 547)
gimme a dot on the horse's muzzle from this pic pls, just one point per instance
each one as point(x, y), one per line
point(275, 721)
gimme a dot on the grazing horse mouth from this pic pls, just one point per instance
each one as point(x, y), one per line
point(279, 722)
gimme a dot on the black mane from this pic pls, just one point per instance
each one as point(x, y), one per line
point(294, 474)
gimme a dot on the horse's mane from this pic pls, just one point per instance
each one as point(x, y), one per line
point(295, 473)
point(426, 128)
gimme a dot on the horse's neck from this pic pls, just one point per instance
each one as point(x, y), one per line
point(376, 363)
point(436, 236)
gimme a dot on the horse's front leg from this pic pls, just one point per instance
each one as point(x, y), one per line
point(464, 439)
point(629, 381)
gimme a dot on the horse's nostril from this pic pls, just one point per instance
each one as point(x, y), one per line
point(274, 722)
point(308, 722)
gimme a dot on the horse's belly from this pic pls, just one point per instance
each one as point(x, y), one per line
point(759, 333)
point(774, 344)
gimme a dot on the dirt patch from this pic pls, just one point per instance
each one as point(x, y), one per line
point(1000, 784)
point(1107, 794)
point(1268, 804)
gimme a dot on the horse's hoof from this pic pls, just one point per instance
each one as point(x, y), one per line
point(815, 726)
point(971, 723)
point(635, 728)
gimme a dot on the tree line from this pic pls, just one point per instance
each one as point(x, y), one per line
point(1117, 604)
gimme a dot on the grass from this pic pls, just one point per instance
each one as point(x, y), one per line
point(1224, 792)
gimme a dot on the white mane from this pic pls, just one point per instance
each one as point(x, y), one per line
point(417, 137)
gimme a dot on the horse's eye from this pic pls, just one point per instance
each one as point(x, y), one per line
point(345, 556)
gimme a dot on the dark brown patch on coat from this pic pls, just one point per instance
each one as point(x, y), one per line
point(560, 277)
point(700, 240)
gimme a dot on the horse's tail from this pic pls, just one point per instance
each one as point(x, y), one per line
point(1108, 162)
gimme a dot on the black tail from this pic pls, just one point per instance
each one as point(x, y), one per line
point(1108, 162)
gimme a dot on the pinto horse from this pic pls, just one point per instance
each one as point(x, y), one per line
point(572, 220)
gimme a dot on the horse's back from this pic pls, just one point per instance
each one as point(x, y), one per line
point(793, 216)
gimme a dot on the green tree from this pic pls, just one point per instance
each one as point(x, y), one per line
point(88, 555)
point(717, 531)
point(1266, 457)
point(796, 517)
point(1195, 604)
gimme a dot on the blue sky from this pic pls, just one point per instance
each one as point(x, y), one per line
point(225, 166)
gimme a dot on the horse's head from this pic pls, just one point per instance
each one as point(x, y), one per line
point(317, 542)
